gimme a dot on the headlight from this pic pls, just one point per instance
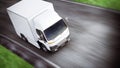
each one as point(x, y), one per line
point(50, 42)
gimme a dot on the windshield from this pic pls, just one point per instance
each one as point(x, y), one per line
point(55, 30)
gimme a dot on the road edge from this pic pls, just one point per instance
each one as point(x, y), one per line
point(92, 6)
point(35, 54)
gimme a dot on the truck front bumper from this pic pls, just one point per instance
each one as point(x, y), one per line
point(56, 47)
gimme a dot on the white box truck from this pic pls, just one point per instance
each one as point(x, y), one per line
point(36, 22)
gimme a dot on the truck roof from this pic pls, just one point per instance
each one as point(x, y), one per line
point(41, 12)
point(28, 8)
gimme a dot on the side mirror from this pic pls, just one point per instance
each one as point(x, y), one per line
point(40, 34)
point(66, 20)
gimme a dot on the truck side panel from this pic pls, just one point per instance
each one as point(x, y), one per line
point(21, 25)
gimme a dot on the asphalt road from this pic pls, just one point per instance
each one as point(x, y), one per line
point(95, 36)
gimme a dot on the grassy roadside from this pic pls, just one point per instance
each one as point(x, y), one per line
point(10, 60)
point(112, 4)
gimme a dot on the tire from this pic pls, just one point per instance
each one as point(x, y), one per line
point(24, 38)
point(42, 47)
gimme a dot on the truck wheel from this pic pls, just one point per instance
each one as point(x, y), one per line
point(24, 38)
point(42, 47)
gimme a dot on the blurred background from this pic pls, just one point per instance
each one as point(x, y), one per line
point(11, 60)
point(111, 4)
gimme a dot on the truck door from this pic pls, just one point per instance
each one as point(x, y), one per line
point(42, 41)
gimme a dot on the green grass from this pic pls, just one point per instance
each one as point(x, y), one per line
point(112, 4)
point(10, 60)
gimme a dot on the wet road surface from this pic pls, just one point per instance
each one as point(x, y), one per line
point(95, 37)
